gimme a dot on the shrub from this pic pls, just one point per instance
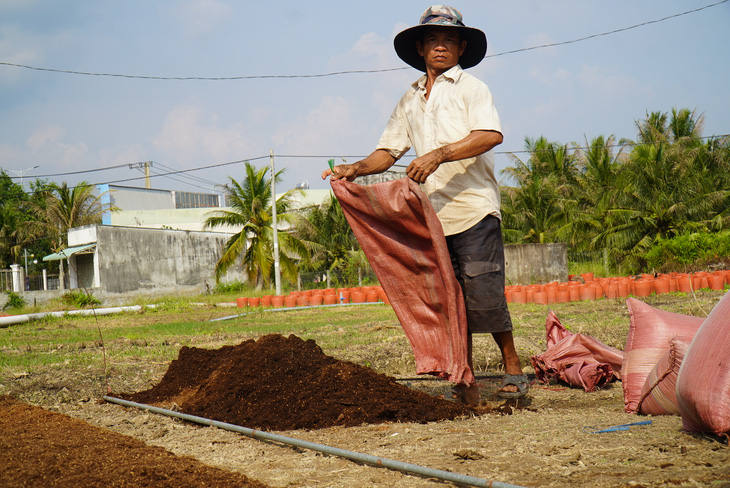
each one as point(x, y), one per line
point(14, 301)
point(688, 249)
point(80, 299)
point(232, 287)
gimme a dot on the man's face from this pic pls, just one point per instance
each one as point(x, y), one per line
point(441, 48)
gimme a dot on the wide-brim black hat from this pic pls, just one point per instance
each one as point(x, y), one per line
point(441, 16)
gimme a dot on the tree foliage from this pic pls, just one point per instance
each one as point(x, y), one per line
point(622, 197)
point(250, 203)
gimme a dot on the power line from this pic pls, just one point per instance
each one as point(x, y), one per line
point(350, 72)
point(184, 172)
point(615, 31)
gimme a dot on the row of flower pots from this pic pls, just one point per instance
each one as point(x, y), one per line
point(309, 298)
point(636, 286)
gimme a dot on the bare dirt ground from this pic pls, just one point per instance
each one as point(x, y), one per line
point(541, 441)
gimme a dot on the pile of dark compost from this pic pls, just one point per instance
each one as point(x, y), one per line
point(287, 383)
point(42, 448)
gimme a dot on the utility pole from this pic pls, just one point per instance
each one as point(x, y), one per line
point(146, 165)
point(277, 272)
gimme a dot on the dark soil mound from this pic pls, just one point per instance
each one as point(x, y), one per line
point(280, 383)
point(42, 448)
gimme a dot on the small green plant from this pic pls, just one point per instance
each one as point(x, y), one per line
point(80, 299)
point(14, 301)
point(233, 287)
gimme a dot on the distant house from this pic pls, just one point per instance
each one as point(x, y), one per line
point(154, 243)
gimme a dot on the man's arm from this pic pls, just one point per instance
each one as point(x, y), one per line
point(476, 143)
point(378, 161)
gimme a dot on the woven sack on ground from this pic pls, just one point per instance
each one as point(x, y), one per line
point(404, 242)
point(650, 331)
point(659, 396)
point(576, 359)
point(703, 384)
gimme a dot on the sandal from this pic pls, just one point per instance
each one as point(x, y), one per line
point(518, 380)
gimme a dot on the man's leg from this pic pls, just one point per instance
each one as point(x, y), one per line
point(505, 342)
point(478, 259)
point(468, 394)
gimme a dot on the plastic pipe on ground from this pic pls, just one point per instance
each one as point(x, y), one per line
point(334, 451)
point(19, 319)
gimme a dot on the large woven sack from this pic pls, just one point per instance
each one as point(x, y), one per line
point(658, 395)
point(650, 331)
point(404, 242)
point(703, 384)
point(576, 359)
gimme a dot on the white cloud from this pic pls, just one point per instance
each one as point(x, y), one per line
point(201, 16)
point(189, 136)
point(318, 130)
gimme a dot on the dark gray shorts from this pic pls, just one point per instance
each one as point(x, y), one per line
point(477, 256)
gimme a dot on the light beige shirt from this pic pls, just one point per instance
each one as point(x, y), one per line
point(462, 192)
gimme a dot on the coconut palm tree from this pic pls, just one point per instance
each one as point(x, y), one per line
point(251, 211)
point(543, 199)
point(328, 236)
point(63, 208)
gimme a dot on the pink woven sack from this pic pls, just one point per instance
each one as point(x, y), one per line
point(703, 384)
point(650, 331)
point(659, 395)
point(404, 242)
point(576, 359)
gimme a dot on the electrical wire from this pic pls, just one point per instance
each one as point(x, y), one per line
point(352, 72)
point(308, 156)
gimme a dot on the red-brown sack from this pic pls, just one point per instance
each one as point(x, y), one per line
point(404, 242)
point(576, 359)
point(650, 331)
point(703, 384)
point(659, 395)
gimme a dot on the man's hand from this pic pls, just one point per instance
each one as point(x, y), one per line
point(421, 168)
point(377, 162)
point(346, 171)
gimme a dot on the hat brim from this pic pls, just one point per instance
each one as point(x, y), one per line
point(405, 46)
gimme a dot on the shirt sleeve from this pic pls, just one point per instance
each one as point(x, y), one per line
point(482, 114)
point(396, 139)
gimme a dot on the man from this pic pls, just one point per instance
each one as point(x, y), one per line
point(449, 118)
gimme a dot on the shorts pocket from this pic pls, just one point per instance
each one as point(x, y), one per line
point(475, 268)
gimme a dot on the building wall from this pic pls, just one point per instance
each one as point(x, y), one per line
point(152, 259)
point(526, 264)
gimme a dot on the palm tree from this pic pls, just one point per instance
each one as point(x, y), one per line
point(543, 199)
point(328, 237)
point(663, 191)
point(251, 211)
point(65, 208)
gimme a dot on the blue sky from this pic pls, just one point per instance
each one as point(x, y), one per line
point(67, 123)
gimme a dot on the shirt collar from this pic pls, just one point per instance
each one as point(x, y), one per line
point(453, 74)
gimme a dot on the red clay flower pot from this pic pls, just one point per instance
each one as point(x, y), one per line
point(540, 297)
point(373, 296)
point(330, 299)
point(661, 285)
point(315, 300)
point(519, 296)
point(277, 301)
point(358, 297)
point(266, 300)
point(716, 282)
point(643, 288)
point(254, 301)
point(291, 301)
point(587, 292)
point(242, 302)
